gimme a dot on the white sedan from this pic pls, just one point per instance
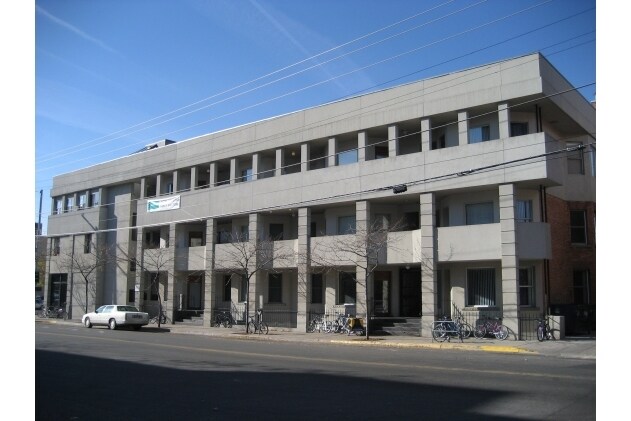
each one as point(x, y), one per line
point(116, 315)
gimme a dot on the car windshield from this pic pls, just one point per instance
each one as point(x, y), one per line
point(127, 308)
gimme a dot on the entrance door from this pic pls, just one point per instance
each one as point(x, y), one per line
point(194, 293)
point(57, 290)
point(382, 293)
point(410, 292)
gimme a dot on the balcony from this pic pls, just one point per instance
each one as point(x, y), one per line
point(469, 243)
point(190, 258)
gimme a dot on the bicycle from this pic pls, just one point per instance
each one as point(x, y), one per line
point(257, 325)
point(224, 319)
point(491, 327)
point(445, 328)
point(53, 312)
point(543, 330)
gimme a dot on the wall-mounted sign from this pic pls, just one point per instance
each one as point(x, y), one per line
point(163, 204)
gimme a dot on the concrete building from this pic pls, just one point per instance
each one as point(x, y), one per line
point(486, 178)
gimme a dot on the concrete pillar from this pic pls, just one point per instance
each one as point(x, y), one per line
point(426, 134)
point(194, 178)
point(139, 287)
point(305, 157)
point(212, 176)
point(510, 260)
point(210, 276)
point(280, 163)
point(364, 290)
point(169, 296)
point(304, 277)
point(175, 177)
point(233, 170)
point(158, 184)
point(393, 141)
point(463, 128)
point(255, 166)
point(256, 281)
point(332, 153)
point(361, 147)
point(429, 271)
point(503, 116)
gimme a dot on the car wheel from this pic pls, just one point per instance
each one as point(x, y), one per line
point(112, 324)
point(87, 322)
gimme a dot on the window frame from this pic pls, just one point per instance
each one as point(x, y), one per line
point(528, 207)
point(275, 288)
point(519, 128)
point(477, 300)
point(226, 293)
point(470, 206)
point(484, 133)
point(352, 228)
point(583, 276)
point(347, 288)
point(317, 288)
point(527, 286)
point(196, 235)
point(575, 158)
point(574, 228)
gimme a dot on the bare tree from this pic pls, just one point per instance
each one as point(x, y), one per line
point(246, 258)
point(85, 264)
point(363, 247)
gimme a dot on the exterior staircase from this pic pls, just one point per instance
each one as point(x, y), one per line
point(396, 326)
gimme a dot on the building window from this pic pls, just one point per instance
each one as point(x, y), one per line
point(56, 247)
point(227, 288)
point(131, 295)
point(518, 129)
point(59, 206)
point(195, 239)
point(246, 175)
point(155, 285)
point(346, 225)
point(316, 288)
point(575, 162)
point(132, 265)
point(347, 288)
point(438, 143)
point(152, 239)
point(243, 292)
point(276, 232)
point(95, 199)
point(381, 152)
point(527, 287)
point(83, 200)
point(347, 157)
point(69, 203)
point(314, 230)
point(479, 134)
point(578, 227)
point(481, 287)
point(411, 220)
point(523, 211)
point(275, 288)
point(479, 213)
point(581, 286)
point(87, 243)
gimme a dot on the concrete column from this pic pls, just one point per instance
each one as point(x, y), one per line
point(463, 128)
point(510, 260)
point(332, 153)
point(212, 176)
point(255, 166)
point(194, 178)
point(139, 284)
point(503, 117)
point(393, 141)
point(158, 184)
point(280, 162)
point(175, 176)
point(210, 276)
point(256, 282)
point(233, 170)
point(429, 271)
point(361, 147)
point(305, 157)
point(364, 290)
point(304, 277)
point(169, 296)
point(426, 134)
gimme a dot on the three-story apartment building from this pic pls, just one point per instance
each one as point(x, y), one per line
point(487, 176)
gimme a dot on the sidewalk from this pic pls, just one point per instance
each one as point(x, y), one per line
point(575, 347)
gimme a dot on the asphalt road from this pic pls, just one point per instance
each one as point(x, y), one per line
point(128, 375)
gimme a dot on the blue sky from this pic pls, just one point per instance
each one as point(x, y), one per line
point(113, 76)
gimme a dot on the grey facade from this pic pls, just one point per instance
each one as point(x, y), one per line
point(478, 151)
